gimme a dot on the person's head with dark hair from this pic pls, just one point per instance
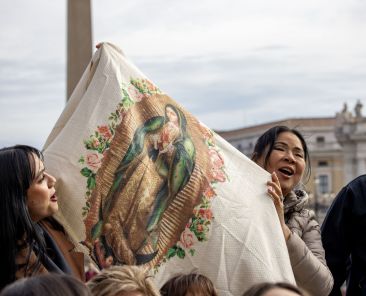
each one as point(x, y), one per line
point(192, 284)
point(126, 280)
point(284, 151)
point(27, 195)
point(47, 285)
point(274, 289)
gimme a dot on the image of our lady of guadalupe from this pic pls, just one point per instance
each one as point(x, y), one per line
point(157, 165)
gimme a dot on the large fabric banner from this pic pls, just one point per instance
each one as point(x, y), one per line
point(142, 181)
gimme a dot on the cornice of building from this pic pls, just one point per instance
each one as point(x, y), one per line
point(299, 123)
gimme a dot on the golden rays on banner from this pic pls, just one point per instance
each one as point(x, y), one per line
point(148, 195)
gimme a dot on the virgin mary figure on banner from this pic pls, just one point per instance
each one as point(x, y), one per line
point(156, 166)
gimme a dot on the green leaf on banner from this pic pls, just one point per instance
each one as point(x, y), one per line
point(86, 172)
point(91, 182)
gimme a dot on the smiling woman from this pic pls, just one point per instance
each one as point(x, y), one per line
point(283, 152)
point(32, 242)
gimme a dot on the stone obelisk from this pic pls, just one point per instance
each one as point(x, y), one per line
point(79, 41)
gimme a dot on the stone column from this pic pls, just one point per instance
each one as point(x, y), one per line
point(350, 164)
point(79, 41)
point(361, 155)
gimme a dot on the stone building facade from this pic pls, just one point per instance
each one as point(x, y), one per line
point(351, 134)
point(337, 147)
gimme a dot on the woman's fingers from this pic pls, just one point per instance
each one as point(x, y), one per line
point(274, 195)
point(271, 193)
point(275, 183)
point(274, 188)
point(275, 179)
point(275, 192)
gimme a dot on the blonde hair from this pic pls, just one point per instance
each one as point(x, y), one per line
point(118, 279)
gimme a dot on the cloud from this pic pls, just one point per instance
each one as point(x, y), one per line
point(275, 86)
point(230, 63)
point(32, 97)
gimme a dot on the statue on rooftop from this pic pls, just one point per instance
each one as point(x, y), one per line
point(344, 116)
point(358, 109)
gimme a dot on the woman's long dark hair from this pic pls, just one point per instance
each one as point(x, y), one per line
point(265, 143)
point(17, 231)
point(47, 284)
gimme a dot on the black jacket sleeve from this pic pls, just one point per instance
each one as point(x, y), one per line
point(335, 239)
point(344, 237)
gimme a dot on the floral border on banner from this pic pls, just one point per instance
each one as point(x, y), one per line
point(197, 228)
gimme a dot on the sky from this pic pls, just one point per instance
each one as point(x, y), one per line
point(231, 63)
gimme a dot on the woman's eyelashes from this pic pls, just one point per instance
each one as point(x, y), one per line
point(296, 152)
point(41, 178)
point(299, 155)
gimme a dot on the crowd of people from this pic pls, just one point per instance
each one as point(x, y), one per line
point(38, 258)
point(130, 280)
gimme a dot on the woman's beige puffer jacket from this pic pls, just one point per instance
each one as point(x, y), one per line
point(305, 246)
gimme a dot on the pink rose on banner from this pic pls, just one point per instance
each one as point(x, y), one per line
point(209, 193)
point(105, 131)
point(216, 159)
point(205, 213)
point(201, 228)
point(135, 93)
point(217, 166)
point(186, 238)
point(93, 161)
point(218, 175)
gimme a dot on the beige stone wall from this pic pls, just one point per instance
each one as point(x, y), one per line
point(334, 169)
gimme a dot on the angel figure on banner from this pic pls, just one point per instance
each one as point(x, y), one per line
point(157, 165)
